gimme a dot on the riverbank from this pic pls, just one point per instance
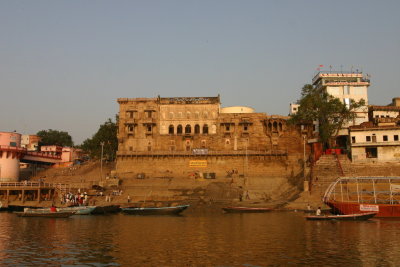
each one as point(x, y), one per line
point(275, 192)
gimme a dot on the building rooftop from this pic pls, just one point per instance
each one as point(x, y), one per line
point(337, 74)
point(384, 108)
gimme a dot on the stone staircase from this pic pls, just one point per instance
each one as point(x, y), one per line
point(327, 170)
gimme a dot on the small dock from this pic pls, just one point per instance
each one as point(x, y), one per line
point(30, 191)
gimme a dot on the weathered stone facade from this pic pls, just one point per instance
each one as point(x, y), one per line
point(193, 136)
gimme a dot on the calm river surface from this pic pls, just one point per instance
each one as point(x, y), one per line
point(217, 239)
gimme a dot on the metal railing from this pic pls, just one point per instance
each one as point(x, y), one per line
point(32, 184)
point(43, 155)
point(12, 148)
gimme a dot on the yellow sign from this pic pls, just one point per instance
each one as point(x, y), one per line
point(198, 163)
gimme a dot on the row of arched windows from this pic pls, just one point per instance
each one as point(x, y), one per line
point(187, 129)
point(275, 126)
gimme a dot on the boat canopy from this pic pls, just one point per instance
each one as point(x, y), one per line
point(365, 189)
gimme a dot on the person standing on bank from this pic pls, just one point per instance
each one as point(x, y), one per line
point(318, 212)
point(129, 199)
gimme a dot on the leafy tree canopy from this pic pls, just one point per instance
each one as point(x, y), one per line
point(106, 136)
point(54, 137)
point(328, 111)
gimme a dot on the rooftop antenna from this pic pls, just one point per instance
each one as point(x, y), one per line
point(330, 68)
point(351, 70)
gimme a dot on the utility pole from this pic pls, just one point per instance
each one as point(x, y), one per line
point(101, 161)
point(304, 157)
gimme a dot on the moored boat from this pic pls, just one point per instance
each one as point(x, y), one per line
point(232, 209)
point(106, 209)
point(79, 210)
point(155, 210)
point(45, 214)
point(352, 195)
point(348, 217)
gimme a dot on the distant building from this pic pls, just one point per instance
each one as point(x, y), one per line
point(67, 154)
point(389, 111)
point(378, 139)
point(294, 108)
point(170, 133)
point(71, 154)
point(345, 86)
point(30, 142)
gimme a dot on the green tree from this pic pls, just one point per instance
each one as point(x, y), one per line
point(106, 135)
point(330, 113)
point(54, 137)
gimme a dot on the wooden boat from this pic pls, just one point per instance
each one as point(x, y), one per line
point(348, 217)
point(353, 195)
point(246, 209)
point(106, 209)
point(46, 214)
point(79, 210)
point(154, 210)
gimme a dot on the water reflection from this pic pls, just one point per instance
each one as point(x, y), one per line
point(269, 239)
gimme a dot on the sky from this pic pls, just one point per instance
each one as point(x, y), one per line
point(63, 64)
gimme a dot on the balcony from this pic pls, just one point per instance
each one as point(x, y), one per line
point(148, 121)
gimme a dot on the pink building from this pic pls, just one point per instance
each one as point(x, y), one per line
point(68, 154)
point(10, 154)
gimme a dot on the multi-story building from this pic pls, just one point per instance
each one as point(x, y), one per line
point(378, 139)
point(183, 133)
point(345, 86)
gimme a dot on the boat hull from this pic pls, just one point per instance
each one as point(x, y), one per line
point(246, 209)
point(382, 210)
point(349, 217)
point(45, 214)
point(106, 209)
point(155, 211)
point(82, 210)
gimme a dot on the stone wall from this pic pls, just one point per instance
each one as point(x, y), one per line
point(222, 167)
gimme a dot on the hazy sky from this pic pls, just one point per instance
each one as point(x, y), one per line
point(63, 64)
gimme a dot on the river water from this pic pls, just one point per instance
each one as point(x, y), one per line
point(214, 239)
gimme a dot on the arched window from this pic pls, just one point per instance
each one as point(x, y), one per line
point(280, 127)
point(171, 129)
point(205, 129)
point(188, 129)
point(196, 129)
point(269, 127)
point(275, 126)
point(179, 129)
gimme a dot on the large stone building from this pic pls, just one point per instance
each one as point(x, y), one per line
point(184, 136)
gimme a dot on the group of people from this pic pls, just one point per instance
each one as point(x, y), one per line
point(80, 199)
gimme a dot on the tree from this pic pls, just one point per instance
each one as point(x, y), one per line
point(330, 113)
point(53, 137)
point(106, 135)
